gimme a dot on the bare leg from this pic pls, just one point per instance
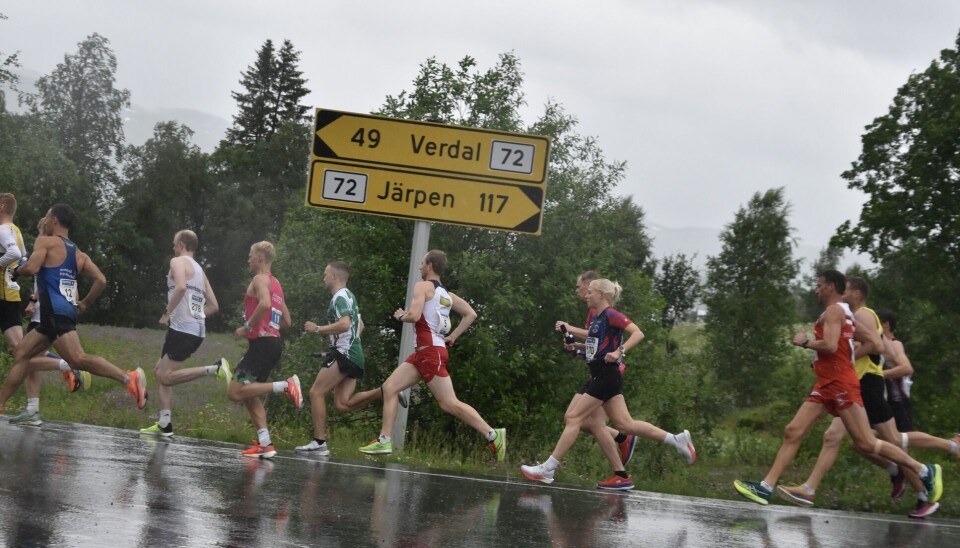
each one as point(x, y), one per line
point(808, 414)
point(828, 452)
point(572, 420)
point(32, 344)
point(616, 409)
point(855, 419)
point(442, 389)
point(68, 346)
point(403, 377)
point(327, 379)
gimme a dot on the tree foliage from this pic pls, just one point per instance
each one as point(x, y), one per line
point(750, 307)
point(678, 282)
point(7, 77)
point(80, 102)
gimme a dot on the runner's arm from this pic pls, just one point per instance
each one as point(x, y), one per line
point(412, 315)
point(832, 322)
point(869, 339)
point(901, 363)
point(210, 305)
point(178, 271)
point(467, 316)
point(39, 255)
point(11, 249)
point(635, 337)
point(88, 268)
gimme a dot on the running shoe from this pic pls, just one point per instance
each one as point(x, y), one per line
point(626, 448)
point(223, 371)
point(377, 448)
point(537, 473)
point(138, 386)
point(924, 509)
point(156, 430)
point(898, 484)
point(27, 419)
point(685, 446)
point(933, 482)
point(293, 391)
point(615, 483)
point(754, 491)
point(499, 444)
point(795, 494)
point(77, 380)
point(315, 448)
point(258, 451)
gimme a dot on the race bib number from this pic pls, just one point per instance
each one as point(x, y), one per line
point(275, 316)
point(444, 325)
point(196, 306)
point(590, 347)
point(68, 288)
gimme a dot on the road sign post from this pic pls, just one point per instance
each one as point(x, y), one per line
point(426, 172)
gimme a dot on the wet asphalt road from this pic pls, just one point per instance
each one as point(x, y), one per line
point(75, 485)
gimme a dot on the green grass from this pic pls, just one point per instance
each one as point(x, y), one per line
point(742, 445)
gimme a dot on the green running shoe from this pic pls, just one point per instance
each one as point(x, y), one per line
point(499, 444)
point(157, 430)
point(933, 482)
point(223, 371)
point(377, 448)
point(753, 490)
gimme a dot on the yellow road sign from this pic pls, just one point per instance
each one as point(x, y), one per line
point(456, 150)
point(424, 196)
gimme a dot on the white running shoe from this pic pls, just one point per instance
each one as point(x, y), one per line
point(685, 446)
point(315, 448)
point(538, 473)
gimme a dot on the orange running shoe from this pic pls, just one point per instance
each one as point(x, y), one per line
point(258, 451)
point(138, 386)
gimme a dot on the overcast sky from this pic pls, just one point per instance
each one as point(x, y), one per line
point(708, 101)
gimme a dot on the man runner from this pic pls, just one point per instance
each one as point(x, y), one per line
point(190, 300)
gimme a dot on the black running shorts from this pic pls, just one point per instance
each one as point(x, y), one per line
point(261, 357)
point(10, 315)
point(346, 366)
point(178, 346)
point(872, 390)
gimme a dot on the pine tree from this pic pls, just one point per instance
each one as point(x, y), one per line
point(289, 88)
point(272, 90)
point(251, 123)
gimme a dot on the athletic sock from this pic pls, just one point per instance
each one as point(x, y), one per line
point(924, 471)
point(620, 437)
point(766, 486)
point(491, 435)
point(671, 440)
point(809, 490)
point(64, 366)
point(551, 464)
point(621, 473)
point(164, 419)
point(33, 405)
point(954, 447)
point(319, 441)
point(263, 435)
point(922, 496)
point(383, 439)
point(210, 369)
point(893, 469)
point(279, 387)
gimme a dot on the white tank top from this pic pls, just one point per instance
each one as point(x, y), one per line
point(434, 323)
point(188, 316)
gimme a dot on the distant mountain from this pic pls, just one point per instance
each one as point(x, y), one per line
point(138, 121)
point(208, 129)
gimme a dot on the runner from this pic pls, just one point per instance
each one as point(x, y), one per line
point(616, 446)
point(190, 300)
point(837, 392)
point(56, 261)
point(605, 348)
point(345, 361)
point(15, 254)
point(265, 313)
point(869, 369)
point(430, 312)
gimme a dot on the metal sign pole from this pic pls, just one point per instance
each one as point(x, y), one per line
point(408, 338)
